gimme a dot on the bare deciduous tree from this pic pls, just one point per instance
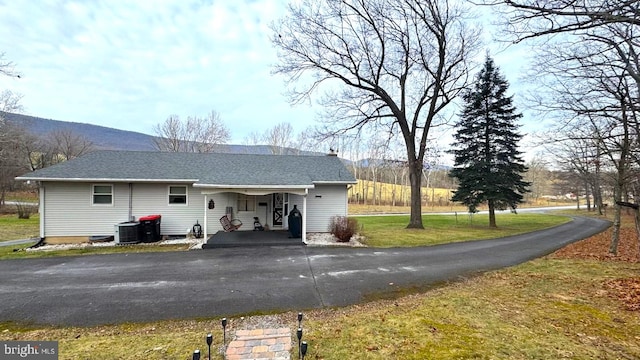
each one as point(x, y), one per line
point(280, 138)
point(590, 86)
point(12, 162)
point(67, 145)
point(391, 64)
point(196, 134)
point(591, 54)
point(7, 68)
point(10, 102)
point(11, 135)
point(534, 18)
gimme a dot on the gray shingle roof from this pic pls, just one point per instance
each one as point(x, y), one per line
point(202, 169)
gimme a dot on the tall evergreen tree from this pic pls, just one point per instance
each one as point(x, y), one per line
point(488, 165)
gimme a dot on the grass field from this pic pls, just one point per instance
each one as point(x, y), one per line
point(388, 231)
point(12, 228)
point(545, 309)
point(385, 193)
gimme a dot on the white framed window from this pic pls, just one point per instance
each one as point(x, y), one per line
point(246, 202)
point(178, 195)
point(102, 194)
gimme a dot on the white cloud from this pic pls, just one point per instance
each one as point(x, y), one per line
point(131, 64)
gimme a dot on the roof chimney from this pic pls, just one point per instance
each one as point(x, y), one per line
point(332, 152)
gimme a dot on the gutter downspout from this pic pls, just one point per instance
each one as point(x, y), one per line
point(131, 202)
point(42, 211)
point(205, 217)
point(304, 216)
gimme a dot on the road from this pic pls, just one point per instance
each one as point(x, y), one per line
point(103, 289)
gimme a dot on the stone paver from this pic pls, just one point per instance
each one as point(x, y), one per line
point(263, 344)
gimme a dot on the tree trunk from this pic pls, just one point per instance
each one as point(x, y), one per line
point(492, 214)
point(615, 235)
point(637, 213)
point(415, 179)
point(597, 197)
point(588, 195)
point(597, 190)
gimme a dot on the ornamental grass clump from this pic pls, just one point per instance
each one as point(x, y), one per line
point(343, 228)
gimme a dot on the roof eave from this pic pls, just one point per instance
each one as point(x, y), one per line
point(37, 178)
point(336, 182)
point(253, 186)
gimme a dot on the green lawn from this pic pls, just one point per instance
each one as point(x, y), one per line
point(390, 231)
point(544, 309)
point(380, 231)
point(12, 228)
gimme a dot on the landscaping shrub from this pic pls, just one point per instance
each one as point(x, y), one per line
point(343, 227)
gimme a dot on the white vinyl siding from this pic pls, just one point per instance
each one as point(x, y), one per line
point(69, 210)
point(323, 202)
point(149, 199)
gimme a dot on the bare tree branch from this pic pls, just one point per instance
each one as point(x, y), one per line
point(196, 134)
point(381, 64)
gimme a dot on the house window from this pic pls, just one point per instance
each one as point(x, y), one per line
point(102, 194)
point(177, 195)
point(246, 202)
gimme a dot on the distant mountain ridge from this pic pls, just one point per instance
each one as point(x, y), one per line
point(102, 137)
point(106, 138)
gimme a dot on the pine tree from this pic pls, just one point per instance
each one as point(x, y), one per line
point(488, 165)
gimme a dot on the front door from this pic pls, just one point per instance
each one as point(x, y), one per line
point(278, 209)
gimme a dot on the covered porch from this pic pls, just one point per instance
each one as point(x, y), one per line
point(271, 205)
point(223, 239)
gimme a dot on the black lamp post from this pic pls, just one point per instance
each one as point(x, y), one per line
point(224, 331)
point(303, 349)
point(299, 319)
point(196, 355)
point(209, 341)
point(299, 335)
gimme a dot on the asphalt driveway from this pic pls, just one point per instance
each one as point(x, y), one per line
point(102, 289)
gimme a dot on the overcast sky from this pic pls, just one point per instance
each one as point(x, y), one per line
point(131, 64)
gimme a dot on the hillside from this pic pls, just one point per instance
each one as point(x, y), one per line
point(106, 138)
point(102, 137)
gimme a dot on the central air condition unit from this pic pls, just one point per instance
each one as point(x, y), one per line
point(127, 233)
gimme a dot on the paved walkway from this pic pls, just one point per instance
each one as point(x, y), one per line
point(260, 344)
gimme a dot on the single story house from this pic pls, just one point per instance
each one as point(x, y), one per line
point(88, 195)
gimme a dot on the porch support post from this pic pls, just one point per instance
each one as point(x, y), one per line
point(42, 211)
point(204, 222)
point(304, 216)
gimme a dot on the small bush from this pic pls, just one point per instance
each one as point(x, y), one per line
point(25, 210)
point(343, 227)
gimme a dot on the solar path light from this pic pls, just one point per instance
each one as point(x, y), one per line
point(299, 335)
point(209, 341)
point(224, 331)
